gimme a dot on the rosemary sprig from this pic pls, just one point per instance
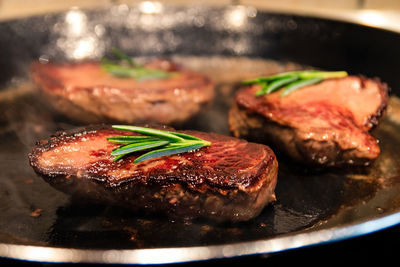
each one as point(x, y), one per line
point(126, 67)
point(156, 143)
point(292, 81)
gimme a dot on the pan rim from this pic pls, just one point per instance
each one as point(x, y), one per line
point(284, 242)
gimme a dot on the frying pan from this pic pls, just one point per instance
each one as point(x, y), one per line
point(38, 223)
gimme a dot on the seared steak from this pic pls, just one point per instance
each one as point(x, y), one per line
point(230, 180)
point(87, 93)
point(325, 124)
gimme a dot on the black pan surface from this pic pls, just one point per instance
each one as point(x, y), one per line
point(314, 206)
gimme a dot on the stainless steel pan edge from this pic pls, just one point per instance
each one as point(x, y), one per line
point(188, 254)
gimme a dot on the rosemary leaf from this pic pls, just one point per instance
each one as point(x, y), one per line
point(122, 56)
point(270, 78)
point(166, 152)
point(275, 85)
point(138, 147)
point(139, 73)
point(299, 84)
point(130, 139)
point(151, 74)
point(322, 74)
point(186, 136)
point(149, 131)
point(263, 90)
point(118, 70)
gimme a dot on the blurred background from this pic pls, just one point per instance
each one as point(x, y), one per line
point(376, 13)
point(379, 13)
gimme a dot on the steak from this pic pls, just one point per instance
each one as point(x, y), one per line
point(325, 124)
point(231, 180)
point(86, 93)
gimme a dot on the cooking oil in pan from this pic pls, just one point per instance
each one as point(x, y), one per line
point(35, 213)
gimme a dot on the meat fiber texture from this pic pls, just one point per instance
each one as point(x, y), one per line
point(326, 124)
point(231, 180)
point(84, 92)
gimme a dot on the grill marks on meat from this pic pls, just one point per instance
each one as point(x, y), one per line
point(326, 124)
point(230, 180)
point(86, 93)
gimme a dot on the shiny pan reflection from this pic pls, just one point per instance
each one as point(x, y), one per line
point(79, 38)
point(174, 255)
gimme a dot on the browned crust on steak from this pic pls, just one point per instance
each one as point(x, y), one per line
point(326, 124)
point(230, 180)
point(86, 93)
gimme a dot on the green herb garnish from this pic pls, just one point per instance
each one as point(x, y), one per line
point(157, 143)
point(126, 67)
point(291, 81)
